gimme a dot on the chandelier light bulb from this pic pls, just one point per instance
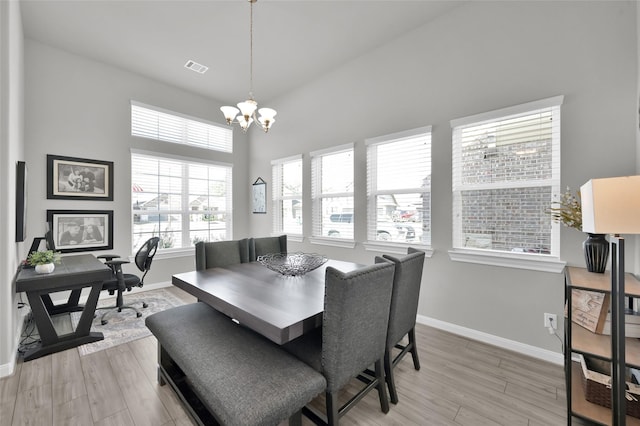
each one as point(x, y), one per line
point(247, 108)
point(266, 119)
point(229, 113)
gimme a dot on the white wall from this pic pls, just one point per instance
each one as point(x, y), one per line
point(11, 150)
point(479, 57)
point(80, 108)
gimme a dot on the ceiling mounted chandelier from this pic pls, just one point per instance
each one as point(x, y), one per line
point(247, 109)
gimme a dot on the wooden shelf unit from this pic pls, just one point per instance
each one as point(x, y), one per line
point(583, 341)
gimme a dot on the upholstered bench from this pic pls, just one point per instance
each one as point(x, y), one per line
point(227, 374)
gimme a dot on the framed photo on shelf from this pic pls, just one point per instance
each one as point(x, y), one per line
point(70, 178)
point(259, 199)
point(589, 309)
point(81, 230)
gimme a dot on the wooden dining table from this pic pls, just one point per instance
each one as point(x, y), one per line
point(277, 306)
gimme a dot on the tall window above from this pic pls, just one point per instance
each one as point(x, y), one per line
point(399, 187)
point(287, 195)
point(332, 193)
point(181, 201)
point(156, 123)
point(506, 172)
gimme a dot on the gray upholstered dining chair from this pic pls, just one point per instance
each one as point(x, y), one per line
point(266, 245)
point(221, 253)
point(403, 312)
point(352, 337)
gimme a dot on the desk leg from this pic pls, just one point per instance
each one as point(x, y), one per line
point(71, 305)
point(50, 341)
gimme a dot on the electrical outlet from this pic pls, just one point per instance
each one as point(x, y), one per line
point(550, 320)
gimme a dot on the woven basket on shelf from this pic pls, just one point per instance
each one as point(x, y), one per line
point(597, 388)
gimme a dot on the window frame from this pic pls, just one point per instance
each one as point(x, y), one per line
point(278, 196)
point(316, 196)
point(539, 262)
point(373, 192)
point(185, 212)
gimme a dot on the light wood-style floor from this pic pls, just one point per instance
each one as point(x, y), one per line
point(461, 382)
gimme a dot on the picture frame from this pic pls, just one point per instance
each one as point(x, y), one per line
point(589, 309)
point(70, 178)
point(81, 230)
point(259, 196)
point(21, 201)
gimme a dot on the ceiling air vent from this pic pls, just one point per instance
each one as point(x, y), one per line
point(194, 66)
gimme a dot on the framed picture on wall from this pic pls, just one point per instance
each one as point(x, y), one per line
point(259, 193)
point(81, 230)
point(70, 178)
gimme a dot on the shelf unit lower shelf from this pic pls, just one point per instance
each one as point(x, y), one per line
point(585, 409)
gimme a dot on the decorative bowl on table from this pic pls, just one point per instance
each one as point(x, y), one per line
point(292, 264)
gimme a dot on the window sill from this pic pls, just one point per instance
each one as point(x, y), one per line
point(170, 254)
point(335, 242)
point(534, 262)
point(396, 248)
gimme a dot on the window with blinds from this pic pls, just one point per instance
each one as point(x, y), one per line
point(506, 172)
point(332, 193)
point(156, 123)
point(287, 195)
point(399, 187)
point(181, 201)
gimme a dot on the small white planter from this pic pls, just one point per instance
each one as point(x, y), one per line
point(47, 268)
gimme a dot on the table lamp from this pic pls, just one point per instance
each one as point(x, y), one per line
point(612, 206)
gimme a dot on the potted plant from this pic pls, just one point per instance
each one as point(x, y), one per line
point(44, 261)
point(568, 211)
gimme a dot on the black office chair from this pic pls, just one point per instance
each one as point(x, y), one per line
point(121, 282)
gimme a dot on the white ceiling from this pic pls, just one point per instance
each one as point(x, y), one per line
point(295, 41)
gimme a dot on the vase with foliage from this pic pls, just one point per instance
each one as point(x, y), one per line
point(568, 211)
point(44, 261)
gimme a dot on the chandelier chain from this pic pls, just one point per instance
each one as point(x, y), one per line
point(251, 50)
point(248, 108)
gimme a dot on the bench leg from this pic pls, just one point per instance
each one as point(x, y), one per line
point(161, 380)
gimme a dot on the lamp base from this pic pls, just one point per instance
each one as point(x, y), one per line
point(596, 252)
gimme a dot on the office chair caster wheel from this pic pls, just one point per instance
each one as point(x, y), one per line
point(104, 322)
point(138, 315)
point(144, 305)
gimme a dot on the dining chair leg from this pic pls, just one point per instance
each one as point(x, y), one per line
point(388, 373)
point(414, 348)
point(332, 408)
point(382, 389)
point(296, 418)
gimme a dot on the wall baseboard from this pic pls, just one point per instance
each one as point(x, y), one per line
point(8, 369)
point(532, 351)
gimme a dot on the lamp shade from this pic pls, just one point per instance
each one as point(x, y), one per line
point(611, 205)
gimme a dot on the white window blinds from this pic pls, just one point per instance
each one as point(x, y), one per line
point(399, 187)
point(164, 125)
point(506, 171)
point(287, 195)
point(332, 193)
